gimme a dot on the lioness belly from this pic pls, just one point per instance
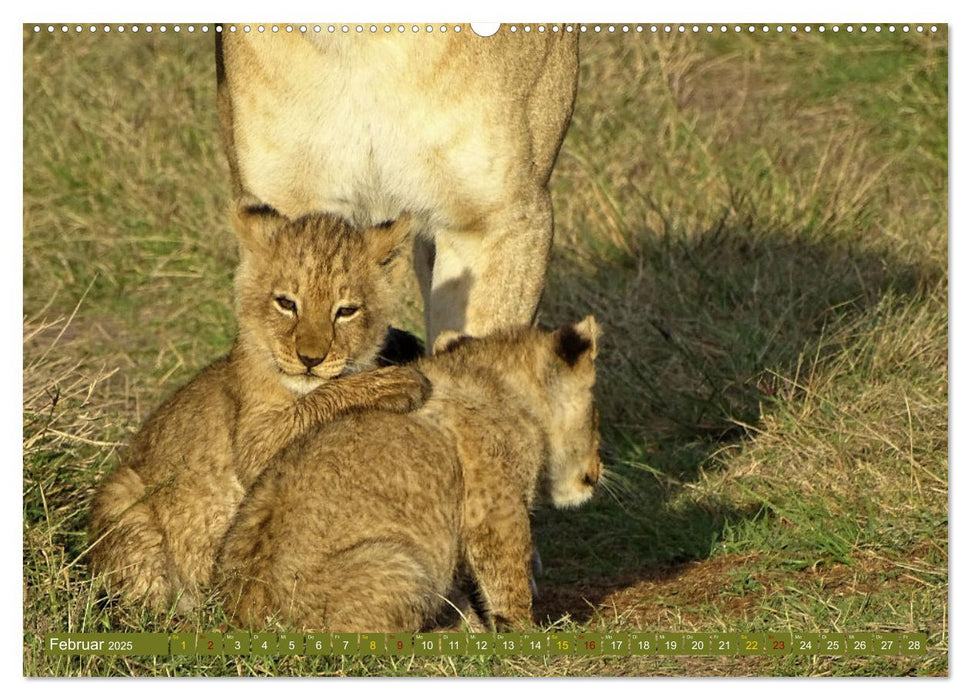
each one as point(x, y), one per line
point(367, 128)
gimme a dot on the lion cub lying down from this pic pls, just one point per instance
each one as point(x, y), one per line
point(363, 524)
point(313, 303)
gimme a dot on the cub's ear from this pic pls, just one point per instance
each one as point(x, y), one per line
point(448, 341)
point(575, 341)
point(255, 222)
point(386, 240)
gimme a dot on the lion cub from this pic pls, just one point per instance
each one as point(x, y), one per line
point(363, 524)
point(313, 299)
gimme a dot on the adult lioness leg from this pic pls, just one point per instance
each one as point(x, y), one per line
point(458, 130)
point(493, 277)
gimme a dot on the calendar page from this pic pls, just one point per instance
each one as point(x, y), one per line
point(525, 349)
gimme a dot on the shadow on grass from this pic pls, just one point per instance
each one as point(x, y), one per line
point(697, 330)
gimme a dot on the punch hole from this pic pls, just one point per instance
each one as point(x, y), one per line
point(260, 29)
point(289, 29)
point(527, 28)
point(681, 29)
point(274, 29)
point(401, 28)
point(134, 28)
point(457, 29)
point(414, 28)
point(542, 28)
point(512, 28)
point(934, 28)
point(429, 28)
point(920, 28)
point(443, 29)
point(178, 29)
point(36, 29)
point(147, 29)
point(79, 29)
point(905, 28)
point(162, 29)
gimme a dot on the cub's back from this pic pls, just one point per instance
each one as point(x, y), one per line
point(361, 516)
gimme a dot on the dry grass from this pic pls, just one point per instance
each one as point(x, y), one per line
point(760, 223)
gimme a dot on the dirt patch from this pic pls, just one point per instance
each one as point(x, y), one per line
point(674, 596)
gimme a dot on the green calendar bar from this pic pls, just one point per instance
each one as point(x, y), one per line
point(552, 644)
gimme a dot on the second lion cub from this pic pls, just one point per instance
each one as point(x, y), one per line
point(363, 524)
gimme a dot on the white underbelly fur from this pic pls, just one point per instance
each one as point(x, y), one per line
point(369, 153)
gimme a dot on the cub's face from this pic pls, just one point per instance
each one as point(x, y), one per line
point(575, 466)
point(314, 294)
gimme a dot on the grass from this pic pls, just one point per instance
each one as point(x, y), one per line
point(759, 223)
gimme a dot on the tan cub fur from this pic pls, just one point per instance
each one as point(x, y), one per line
point(458, 129)
point(313, 304)
point(363, 524)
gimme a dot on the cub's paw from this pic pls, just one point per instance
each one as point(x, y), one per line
point(403, 389)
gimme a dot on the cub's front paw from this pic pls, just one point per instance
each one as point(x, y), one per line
point(403, 389)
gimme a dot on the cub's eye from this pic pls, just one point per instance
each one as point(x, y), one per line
point(346, 311)
point(286, 303)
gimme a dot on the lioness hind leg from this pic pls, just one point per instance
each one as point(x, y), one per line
point(490, 279)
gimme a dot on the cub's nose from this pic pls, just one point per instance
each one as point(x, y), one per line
point(310, 362)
